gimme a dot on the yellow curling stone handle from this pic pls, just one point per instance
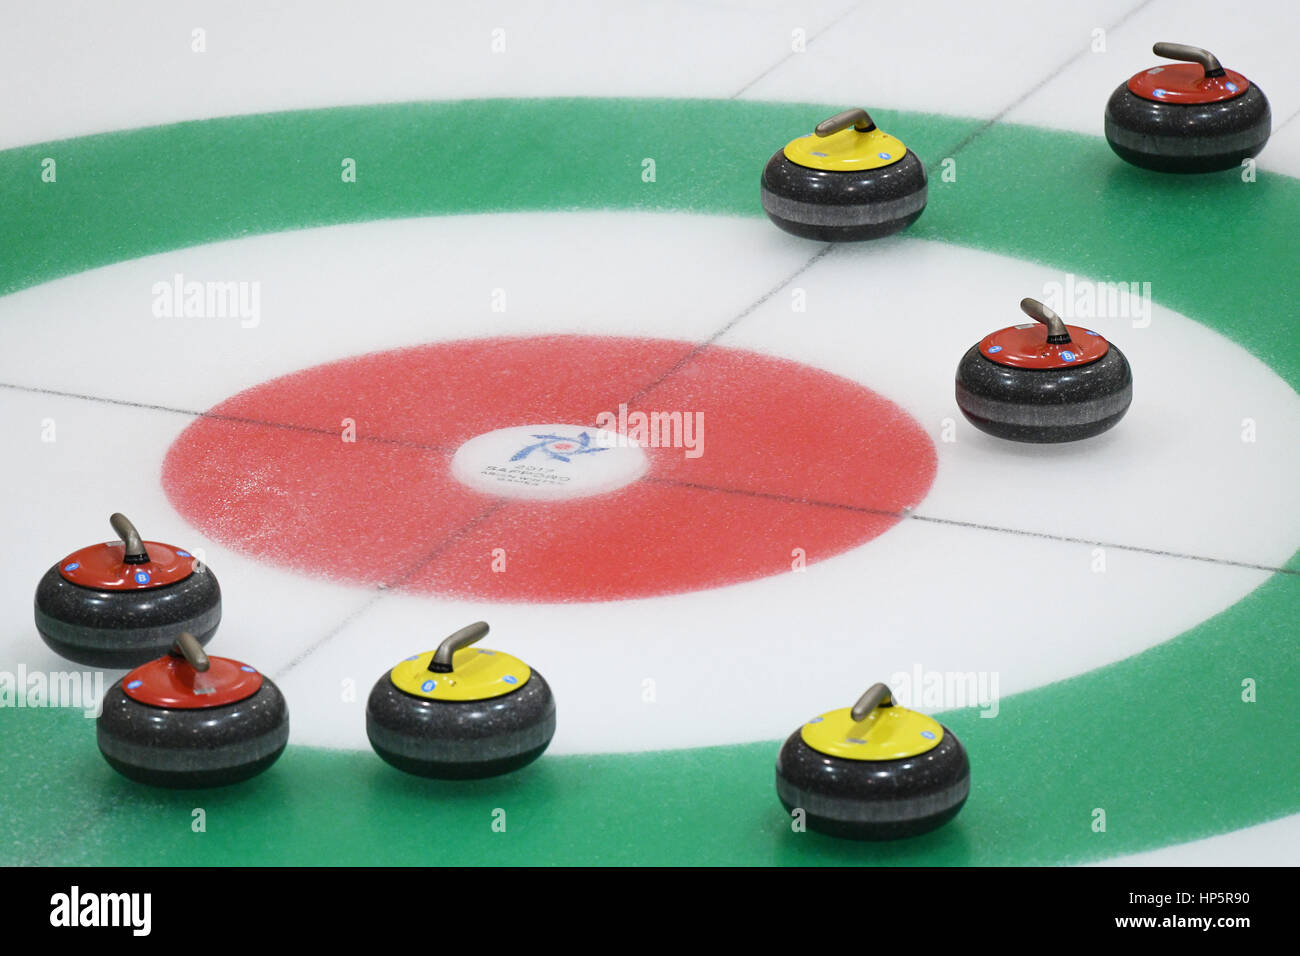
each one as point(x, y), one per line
point(847, 141)
point(873, 729)
point(458, 672)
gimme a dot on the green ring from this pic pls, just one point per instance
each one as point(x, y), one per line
point(1157, 740)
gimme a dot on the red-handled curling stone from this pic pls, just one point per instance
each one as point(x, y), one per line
point(188, 720)
point(1191, 117)
point(121, 603)
point(1044, 381)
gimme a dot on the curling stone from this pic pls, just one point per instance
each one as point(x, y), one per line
point(873, 771)
point(1044, 381)
point(847, 180)
point(1192, 117)
point(125, 602)
point(460, 711)
point(188, 720)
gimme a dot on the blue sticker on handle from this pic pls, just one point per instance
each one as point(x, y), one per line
point(428, 686)
point(1158, 92)
point(247, 669)
point(73, 566)
point(134, 684)
point(511, 679)
point(1232, 87)
point(995, 348)
point(185, 554)
point(884, 156)
point(142, 577)
point(928, 734)
point(1068, 356)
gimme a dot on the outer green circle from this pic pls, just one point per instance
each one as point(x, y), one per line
point(1159, 741)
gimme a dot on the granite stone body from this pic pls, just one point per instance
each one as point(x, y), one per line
point(123, 629)
point(1044, 405)
point(461, 739)
point(1187, 137)
point(842, 206)
point(193, 747)
point(874, 799)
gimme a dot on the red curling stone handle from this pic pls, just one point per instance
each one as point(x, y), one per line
point(1057, 333)
point(135, 552)
point(188, 647)
point(1190, 54)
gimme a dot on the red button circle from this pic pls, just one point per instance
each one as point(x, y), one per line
point(797, 465)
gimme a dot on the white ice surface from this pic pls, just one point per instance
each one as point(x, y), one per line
point(1174, 475)
point(74, 68)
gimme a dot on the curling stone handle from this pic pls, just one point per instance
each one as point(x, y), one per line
point(877, 695)
point(856, 117)
point(188, 647)
point(1057, 333)
point(471, 634)
point(1190, 54)
point(135, 552)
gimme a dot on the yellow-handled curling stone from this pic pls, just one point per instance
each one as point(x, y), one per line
point(873, 771)
point(461, 711)
point(844, 181)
